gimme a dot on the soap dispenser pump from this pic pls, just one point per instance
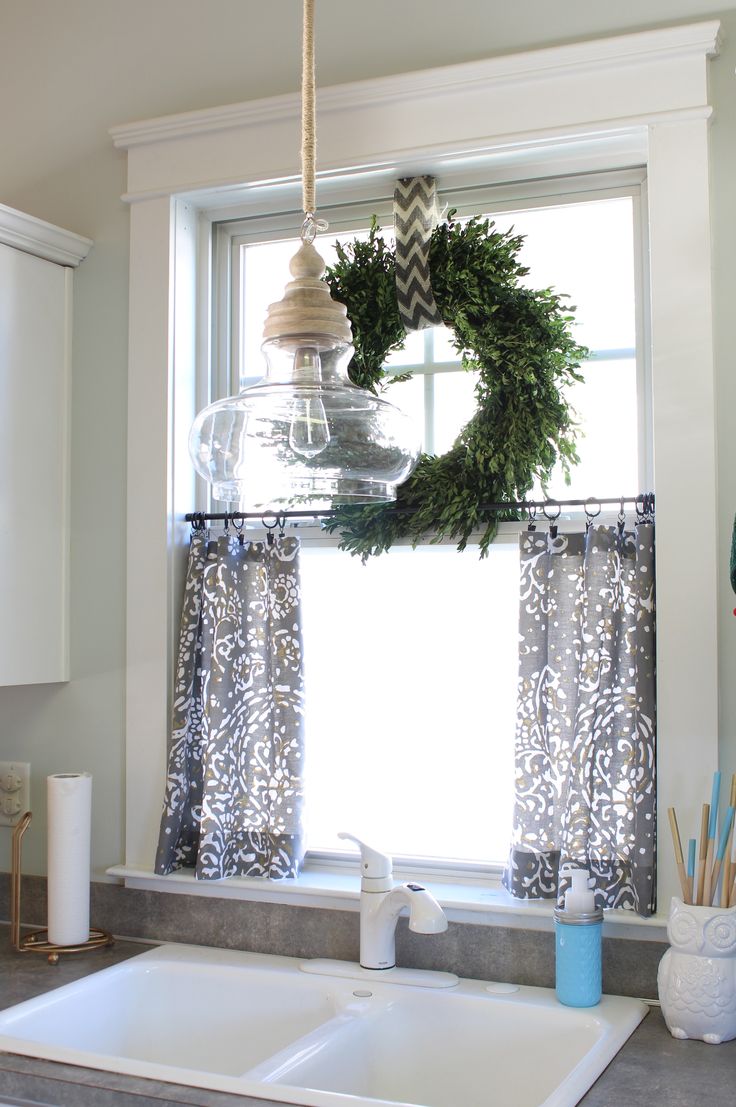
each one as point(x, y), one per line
point(578, 933)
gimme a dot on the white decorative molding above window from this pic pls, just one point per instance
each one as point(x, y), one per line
point(599, 61)
point(633, 100)
point(511, 102)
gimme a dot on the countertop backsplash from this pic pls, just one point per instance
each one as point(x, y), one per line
point(521, 956)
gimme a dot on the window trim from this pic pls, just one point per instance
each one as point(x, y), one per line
point(610, 103)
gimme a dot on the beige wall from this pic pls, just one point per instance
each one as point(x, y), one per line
point(69, 71)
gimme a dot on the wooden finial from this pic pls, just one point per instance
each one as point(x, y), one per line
point(307, 308)
point(307, 263)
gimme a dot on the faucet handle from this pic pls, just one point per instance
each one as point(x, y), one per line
point(374, 866)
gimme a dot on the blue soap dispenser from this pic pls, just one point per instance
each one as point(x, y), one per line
point(578, 929)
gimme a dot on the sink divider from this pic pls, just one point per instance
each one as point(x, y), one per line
point(272, 1069)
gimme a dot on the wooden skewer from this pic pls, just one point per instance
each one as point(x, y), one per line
point(684, 882)
point(707, 889)
point(705, 816)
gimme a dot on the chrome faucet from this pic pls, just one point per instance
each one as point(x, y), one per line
point(381, 903)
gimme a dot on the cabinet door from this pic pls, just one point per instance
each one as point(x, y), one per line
point(35, 318)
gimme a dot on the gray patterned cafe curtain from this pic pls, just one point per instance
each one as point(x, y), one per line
point(585, 730)
point(233, 797)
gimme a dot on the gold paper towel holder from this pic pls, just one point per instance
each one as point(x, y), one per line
point(37, 941)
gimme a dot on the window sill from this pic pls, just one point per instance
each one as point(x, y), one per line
point(483, 902)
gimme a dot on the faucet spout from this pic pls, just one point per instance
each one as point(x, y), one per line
point(380, 913)
point(425, 914)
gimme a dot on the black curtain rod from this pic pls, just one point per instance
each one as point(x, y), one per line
point(644, 503)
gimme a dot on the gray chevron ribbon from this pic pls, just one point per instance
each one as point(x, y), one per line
point(415, 217)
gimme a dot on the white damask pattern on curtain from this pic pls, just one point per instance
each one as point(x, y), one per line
point(585, 730)
point(234, 788)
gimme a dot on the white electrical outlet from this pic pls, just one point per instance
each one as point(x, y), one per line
point(15, 791)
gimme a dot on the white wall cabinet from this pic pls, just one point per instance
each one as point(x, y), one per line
point(36, 266)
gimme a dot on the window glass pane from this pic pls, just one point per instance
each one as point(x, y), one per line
point(411, 674)
point(606, 406)
point(454, 405)
point(265, 274)
point(442, 348)
point(412, 353)
point(409, 396)
point(587, 252)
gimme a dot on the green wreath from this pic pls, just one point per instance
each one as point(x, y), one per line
point(519, 342)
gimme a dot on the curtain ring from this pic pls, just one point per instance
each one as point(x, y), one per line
point(552, 519)
point(270, 527)
point(590, 515)
point(197, 521)
point(621, 516)
point(645, 507)
point(281, 520)
point(532, 511)
point(238, 525)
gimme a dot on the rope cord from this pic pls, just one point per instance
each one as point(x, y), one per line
point(309, 141)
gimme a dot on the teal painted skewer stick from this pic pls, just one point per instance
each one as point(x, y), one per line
point(691, 848)
point(710, 859)
point(719, 854)
point(725, 833)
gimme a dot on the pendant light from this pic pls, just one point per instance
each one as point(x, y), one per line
point(305, 434)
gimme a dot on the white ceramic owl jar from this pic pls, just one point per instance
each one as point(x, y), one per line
point(697, 975)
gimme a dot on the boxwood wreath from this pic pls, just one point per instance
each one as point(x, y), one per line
point(517, 339)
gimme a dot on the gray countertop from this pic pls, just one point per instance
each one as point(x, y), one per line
point(652, 1069)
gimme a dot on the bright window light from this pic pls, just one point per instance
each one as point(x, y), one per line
point(586, 251)
point(410, 671)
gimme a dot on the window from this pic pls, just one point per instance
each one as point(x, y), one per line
point(633, 100)
point(411, 659)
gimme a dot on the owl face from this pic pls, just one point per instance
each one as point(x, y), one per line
point(704, 931)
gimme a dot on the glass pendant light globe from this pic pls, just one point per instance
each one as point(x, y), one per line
point(305, 435)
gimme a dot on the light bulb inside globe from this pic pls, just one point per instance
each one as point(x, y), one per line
point(309, 432)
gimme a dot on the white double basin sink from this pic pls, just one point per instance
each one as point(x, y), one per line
point(261, 1026)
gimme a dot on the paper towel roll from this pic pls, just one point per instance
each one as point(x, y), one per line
point(69, 797)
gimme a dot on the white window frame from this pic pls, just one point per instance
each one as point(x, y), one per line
point(630, 100)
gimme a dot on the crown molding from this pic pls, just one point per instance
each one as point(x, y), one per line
point(44, 240)
point(695, 40)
